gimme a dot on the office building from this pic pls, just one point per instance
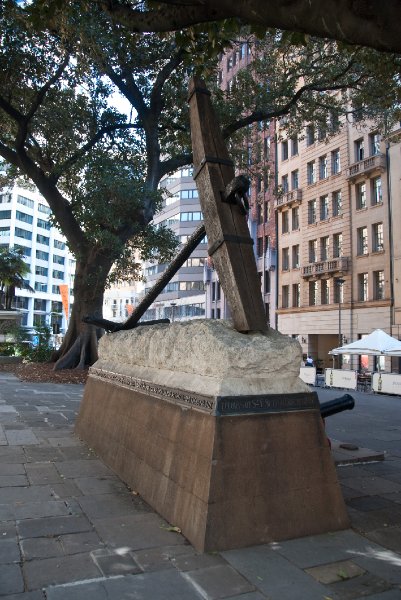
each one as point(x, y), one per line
point(25, 223)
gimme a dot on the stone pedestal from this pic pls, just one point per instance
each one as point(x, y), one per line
point(216, 432)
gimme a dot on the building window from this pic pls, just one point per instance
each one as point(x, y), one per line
point(259, 247)
point(20, 216)
point(296, 294)
point(359, 150)
point(42, 239)
point(312, 251)
point(191, 216)
point(5, 232)
point(378, 285)
point(325, 291)
point(25, 201)
point(360, 190)
point(294, 146)
point(285, 298)
point(362, 240)
point(323, 167)
point(295, 257)
point(285, 225)
point(59, 245)
point(337, 245)
point(295, 179)
point(338, 292)
point(336, 203)
point(27, 251)
point(311, 172)
point(57, 274)
point(39, 304)
point(310, 135)
point(23, 233)
point(376, 191)
point(259, 209)
point(43, 224)
point(334, 122)
point(362, 287)
point(267, 282)
point(311, 212)
point(58, 259)
point(285, 257)
point(40, 287)
point(284, 184)
point(6, 215)
point(322, 133)
point(42, 271)
point(324, 248)
point(324, 208)
point(188, 194)
point(335, 162)
point(312, 293)
point(41, 255)
point(377, 237)
point(374, 140)
point(267, 211)
point(295, 218)
point(284, 150)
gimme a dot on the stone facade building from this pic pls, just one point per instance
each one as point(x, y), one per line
point(336, 249)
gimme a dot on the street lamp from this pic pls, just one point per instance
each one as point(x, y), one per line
point(340, 283)
point(173, 305)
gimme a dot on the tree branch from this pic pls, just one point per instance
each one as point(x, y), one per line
point(46, 87)
point(371, 24)
point(60, 169)
point(172, 164)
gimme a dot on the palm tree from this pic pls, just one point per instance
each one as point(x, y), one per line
point(12, 272)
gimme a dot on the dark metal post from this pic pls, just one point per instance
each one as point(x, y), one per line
point(340, 283)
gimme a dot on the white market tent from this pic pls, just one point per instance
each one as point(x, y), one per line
point(376, 343)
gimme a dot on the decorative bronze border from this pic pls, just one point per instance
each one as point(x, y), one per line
point(217, 406)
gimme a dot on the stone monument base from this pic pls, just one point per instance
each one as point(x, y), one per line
point(230, 469)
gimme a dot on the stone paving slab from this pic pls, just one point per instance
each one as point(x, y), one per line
point(21, 437)
point(11, 580)
point(139, 531)
point(74, 512)
point(218, 582)
point(42, 473)
point(29, 528)
point(334, 572)
point(51, 571)
point(166, 585)
point(37, 595)
point(274, 575)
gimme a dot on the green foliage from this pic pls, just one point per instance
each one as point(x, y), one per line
point(41, 352)
point(13, 269)
point(7, 349)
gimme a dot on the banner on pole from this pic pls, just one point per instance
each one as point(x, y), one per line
point(64, 297)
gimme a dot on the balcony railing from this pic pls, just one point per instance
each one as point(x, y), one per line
point(363, 167)
point(289, 198)
point(325, 267)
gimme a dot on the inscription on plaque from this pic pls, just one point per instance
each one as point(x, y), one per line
point(220, 406)
point(266, 404)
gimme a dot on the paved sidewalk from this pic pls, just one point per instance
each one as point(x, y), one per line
point(71, 530)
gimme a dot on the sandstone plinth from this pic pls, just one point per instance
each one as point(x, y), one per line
point(215, 430)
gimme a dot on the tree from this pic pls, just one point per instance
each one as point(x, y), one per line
point(13, 269)
point(99, 172)
point(58, 130)
point(371, 24)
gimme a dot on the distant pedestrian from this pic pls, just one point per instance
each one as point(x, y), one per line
point(309, 362)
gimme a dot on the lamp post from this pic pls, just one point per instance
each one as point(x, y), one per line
point(173, 305)
point(340, 283)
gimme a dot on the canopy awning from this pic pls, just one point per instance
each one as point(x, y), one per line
point(376, 343)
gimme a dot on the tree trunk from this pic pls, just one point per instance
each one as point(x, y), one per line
point(79, 347)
